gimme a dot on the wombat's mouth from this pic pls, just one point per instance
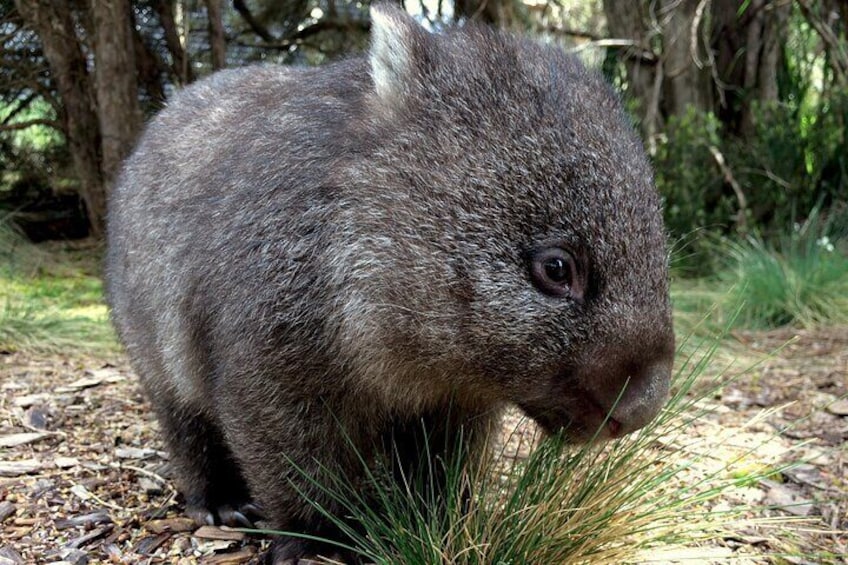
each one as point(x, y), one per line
point(582, 420)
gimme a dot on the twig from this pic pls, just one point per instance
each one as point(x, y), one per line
point(693, 33)
point(741, 215)
point(29, 124)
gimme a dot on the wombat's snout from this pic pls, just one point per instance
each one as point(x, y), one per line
point(639, 398)
point(630, 393)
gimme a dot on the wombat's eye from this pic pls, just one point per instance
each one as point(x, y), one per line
point(554, 272)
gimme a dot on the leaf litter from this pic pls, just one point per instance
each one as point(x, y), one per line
point(84, 476)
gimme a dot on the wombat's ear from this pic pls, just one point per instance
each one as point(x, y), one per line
point(395, 38)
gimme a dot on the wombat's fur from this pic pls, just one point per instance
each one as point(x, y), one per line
point(304, 259)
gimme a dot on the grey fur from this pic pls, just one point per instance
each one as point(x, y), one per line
point(293, 252)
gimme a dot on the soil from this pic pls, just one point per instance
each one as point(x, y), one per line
point(84, 475)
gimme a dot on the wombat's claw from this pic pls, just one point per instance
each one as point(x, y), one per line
point(226, 515)
point(231, 517)
point(201, 515)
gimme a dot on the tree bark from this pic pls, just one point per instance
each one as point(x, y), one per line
point(702, 54)
point(756, 35)
point(687, 80)
point(180, 65)
point(630, 21)
point(118, 111)
point(52, 22)
point(217, 41)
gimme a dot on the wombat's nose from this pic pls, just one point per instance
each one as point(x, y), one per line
point(636, 396)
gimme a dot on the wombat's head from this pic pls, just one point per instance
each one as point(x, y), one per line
point(509, 239)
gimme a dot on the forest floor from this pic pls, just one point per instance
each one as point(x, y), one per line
point(83, 472)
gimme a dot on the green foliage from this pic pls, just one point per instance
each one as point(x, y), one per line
point(30, 158)
point(36, 137)
point(49, 303)
point(564, 504)
point(686, 174)
point(801, 280)
point(795, 161)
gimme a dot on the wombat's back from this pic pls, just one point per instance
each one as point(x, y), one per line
point(226, 199)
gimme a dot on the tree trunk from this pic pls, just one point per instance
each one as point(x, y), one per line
point(748, 57)
point(116, 83)
point(180, 65)
point(687, 80)
point(677, 62)
point(52, 22)
point(216, 34)
point(630, 21)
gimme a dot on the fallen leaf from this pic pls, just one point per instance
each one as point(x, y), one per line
point(218, 533)
point(9, 556)
point(74, 556)
point(18, 468)
point(14, 440)
point(170, 525)
point(90, 536)
point(86, 382)
point(85, 520)
point(66, 462)
point(28, 400)
point(6, 510)
point(838, 407)
point(135, 452)
point(233, 557)
point(81, 492)
point(788, 499)
point(107, 375)
point(214, 545)
point(148, 545)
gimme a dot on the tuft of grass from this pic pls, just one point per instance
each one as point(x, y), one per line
point(622, 502)
point(800, 278)
point(801, 281)
point(50, 301)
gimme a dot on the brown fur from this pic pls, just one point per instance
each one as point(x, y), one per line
point(297, 252)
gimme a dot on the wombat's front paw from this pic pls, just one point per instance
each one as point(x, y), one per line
point(293, 551)
point(242, 516)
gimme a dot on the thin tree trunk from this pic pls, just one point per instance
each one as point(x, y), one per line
point(181, 67)
point(687, 81)
point(116, 84)
point(217, 41)
point(150, 69)
point(629, 20)
point(52, 21)
point(756, 33)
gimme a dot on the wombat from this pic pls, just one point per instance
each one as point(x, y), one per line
point(303, 263)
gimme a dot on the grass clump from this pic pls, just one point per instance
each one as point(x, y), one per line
point(800, 280)
point(50, 301)
point(611, 503)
